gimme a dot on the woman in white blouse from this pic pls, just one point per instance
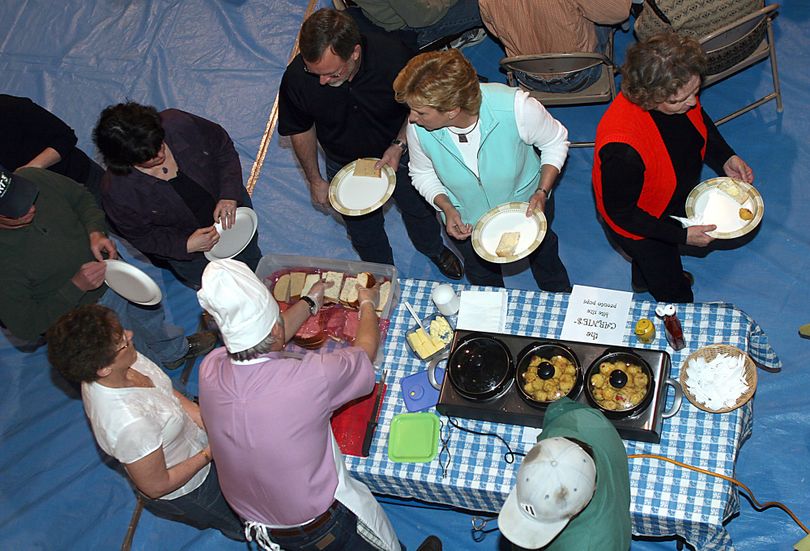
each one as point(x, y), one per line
point(472, 149)
point(138, 418)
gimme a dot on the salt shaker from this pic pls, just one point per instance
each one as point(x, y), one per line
point(672, 325)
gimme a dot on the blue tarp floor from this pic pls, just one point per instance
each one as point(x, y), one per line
point(223, 59)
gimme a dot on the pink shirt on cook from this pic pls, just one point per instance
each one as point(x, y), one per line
point(268, 427)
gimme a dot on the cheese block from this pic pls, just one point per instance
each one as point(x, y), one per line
point(311, 280)
point(332, 292)
point(281, 290)
point(385, 294)
point(440, 329)
point(365, 167)
point(348, 295)
point(423, 344)
point(297, 280)
point(508, 243)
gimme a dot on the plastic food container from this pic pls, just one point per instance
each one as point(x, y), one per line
point(425, 345)
point(272, 266)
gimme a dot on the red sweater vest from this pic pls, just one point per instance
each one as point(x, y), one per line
point(626, 122)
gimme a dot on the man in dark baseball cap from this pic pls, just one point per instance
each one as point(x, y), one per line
point(16, 194)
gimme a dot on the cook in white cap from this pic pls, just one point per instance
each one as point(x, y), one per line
point(267, 415)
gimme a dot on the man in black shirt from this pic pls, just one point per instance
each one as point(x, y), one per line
point(338, 92)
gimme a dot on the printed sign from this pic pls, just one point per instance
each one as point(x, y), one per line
point(596, 315)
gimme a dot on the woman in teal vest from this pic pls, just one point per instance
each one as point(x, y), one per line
point(472, 149)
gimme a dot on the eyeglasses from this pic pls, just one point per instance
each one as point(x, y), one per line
point(335, 76)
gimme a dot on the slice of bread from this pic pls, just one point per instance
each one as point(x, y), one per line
point(508, 243)
point(365, 167)
point(385, 295)
point(311, 280)
point(366, 279)
point(297, 280)
point(332, 293)
point(281, 290)
point(348, 295)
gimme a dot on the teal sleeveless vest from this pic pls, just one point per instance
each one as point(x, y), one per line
point(508, 168)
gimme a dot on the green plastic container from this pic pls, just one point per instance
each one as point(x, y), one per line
point(414, 438)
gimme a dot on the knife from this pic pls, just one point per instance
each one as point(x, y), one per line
point(372, 423)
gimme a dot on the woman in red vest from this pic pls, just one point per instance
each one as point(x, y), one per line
point(650, 148)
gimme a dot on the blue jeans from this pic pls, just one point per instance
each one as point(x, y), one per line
point(367, 232)
point(203, 508)
point(153, 337)
point(571, 83)
point(462, 16)
point(339, 533)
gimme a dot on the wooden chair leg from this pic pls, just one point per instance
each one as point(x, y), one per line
point(133, 524)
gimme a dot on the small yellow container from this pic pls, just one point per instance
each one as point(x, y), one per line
point(645, 331)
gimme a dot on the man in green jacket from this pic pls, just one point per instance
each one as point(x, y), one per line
point(52, 245)
point(573, 487)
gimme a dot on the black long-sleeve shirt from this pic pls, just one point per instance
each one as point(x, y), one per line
point(623, 175)
point(26, 129)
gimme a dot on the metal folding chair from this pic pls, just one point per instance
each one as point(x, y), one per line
point(731, 36)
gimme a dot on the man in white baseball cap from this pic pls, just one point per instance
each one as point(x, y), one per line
point(573, 487)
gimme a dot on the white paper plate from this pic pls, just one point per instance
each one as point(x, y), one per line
point(509, 217)
point(131, 283)
point(234, 240)
point(357, 195)
point(714, 206)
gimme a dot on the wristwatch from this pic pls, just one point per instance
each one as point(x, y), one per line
point(313, 306)
point(400, 144)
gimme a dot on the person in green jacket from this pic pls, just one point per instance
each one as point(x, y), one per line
point(573, 487)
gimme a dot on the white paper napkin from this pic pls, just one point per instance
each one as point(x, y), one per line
point(696, 220)
point(483, 311)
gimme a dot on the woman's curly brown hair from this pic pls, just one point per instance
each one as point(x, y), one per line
point(657, 68)
point(441, 80)
point(83, 341)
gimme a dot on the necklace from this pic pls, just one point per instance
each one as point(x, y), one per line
point(462, 136)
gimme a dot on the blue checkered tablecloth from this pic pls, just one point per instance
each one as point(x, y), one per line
point(665, 499)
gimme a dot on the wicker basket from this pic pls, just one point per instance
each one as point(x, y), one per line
point(709, 353)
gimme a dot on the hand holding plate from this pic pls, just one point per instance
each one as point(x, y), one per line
point(90, 276)
point(455, 226)
point(537, 202)
point(319, 193)
point(698, 235)
point(391, 158)
point(225, 213)
point(202, 240)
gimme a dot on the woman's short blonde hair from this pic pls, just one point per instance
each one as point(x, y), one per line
point(441, 80)
point(657, 68)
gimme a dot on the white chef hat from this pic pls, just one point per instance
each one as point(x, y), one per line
point(243, 308)
point(556, 481)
